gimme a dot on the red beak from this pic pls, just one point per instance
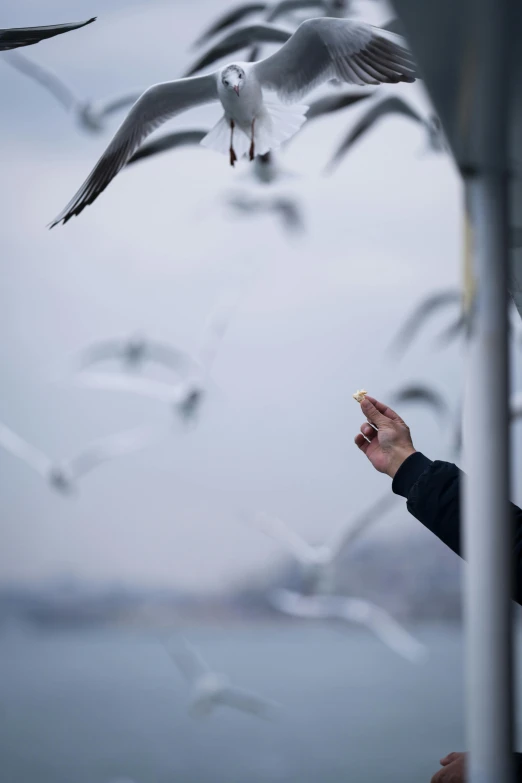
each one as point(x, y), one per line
point(236, 90)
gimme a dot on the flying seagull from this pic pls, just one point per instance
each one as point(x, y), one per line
point(328, 104)
point(63, 476)
point(382, 109)
point(432, 304)
point(90, 115)
point(133, 352)
point(318, 562)
point(210, 689)
point(272, 11)
point(319, 50)
point(352, 610)
point(15, 37)
point(284, 207)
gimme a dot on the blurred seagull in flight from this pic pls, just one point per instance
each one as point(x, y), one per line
point(382, 109)
point(284, 207)
point(90, 115)
point(351, 610)
point(13, 38)
point(63, 476)
point(272, 11)
point(170, 141)
point(133, 352)
point(429, 306)
point(210, 689)
point(319, 50)
point(318, 562)
point(421, 394)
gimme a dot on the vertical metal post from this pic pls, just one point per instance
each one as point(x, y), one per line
point(487, 523)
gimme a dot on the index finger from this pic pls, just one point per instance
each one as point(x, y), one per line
point(384, 409)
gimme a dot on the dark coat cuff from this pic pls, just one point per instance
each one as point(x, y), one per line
point(409, 473)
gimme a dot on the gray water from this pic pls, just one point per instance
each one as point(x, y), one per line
point(92, 706)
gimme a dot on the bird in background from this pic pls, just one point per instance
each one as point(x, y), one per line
point(318, 562)
point(133, 353)
point(351, 610)
point(15, 37)
point(422, 394)
point(187, 394)
point(63, 475)
point(212, 690)
point(319, 49)
point(284, 207)
point(90, 115)
point(379, 111)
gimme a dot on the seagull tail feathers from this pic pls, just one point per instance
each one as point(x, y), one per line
point(218, 139)
point(277, 124)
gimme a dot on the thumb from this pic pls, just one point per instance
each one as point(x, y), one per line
point(372, 414)
point(449, 758)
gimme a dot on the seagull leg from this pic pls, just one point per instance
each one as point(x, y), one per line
point(233, 156)
point(251, 152)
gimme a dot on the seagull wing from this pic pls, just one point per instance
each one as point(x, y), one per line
point(230, 18)
point(437, 301)
point(169, 141)
point(165, 392)
point(20, 448)
point(380, 622)
point(329, 104)
point(347, 534)
point(109, 448)
point(187, 659)
point(393, 105)
point(25, 36)
point(245, 702)
point(237, 40)
point(281, 532)
point(322, 49)
point(169, 355)
point(452, 332)
point(296, 604)
point(43, 76)
point(100, 352)
point(287, 6)
point(157, 105)
point(423, 395)
point(290, 213)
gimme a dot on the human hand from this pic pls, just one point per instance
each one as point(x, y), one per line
point(453, 769)
point(389, 439)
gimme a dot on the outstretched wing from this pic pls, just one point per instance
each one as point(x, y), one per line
point(156, 105)
point(20, 448)
point(437, 301)
point(246, 702)
point(25, 36)
point(393, 105)
point(187, 659)
point(292, 541)
point(322, 49)
point(44, 76)
point(347, 534)
point(237, 40)
point(169, 141)
point(329, 104)
point(100, 352)
point(230, 18)
point(165, 392)
point(423, 395)
point(287, 6)
point(112, 447)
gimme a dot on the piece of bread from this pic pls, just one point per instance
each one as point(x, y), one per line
point(359, 395)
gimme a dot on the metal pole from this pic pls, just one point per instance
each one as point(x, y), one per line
point(487, 523)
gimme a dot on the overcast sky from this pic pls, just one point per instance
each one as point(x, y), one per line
point(155, 253)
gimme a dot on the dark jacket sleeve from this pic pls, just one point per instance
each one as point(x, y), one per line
point(432, 492)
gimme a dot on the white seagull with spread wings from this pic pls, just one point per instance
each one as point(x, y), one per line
point(318, 562)
point(319, 50)
point(63, 475)
point(210, 689)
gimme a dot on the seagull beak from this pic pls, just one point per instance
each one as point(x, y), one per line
point(236, 90)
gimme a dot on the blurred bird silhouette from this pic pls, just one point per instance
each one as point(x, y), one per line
point(90, 115)
point(133, 352)
point(429, 306)
point(422, 394)
point(382, 109)
point(351, 610)
point(170, 141)
point(210, 689)
point(285, 208)
point(318, 562)
point(14, 37)
point(319, 49)
point(63, 476)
